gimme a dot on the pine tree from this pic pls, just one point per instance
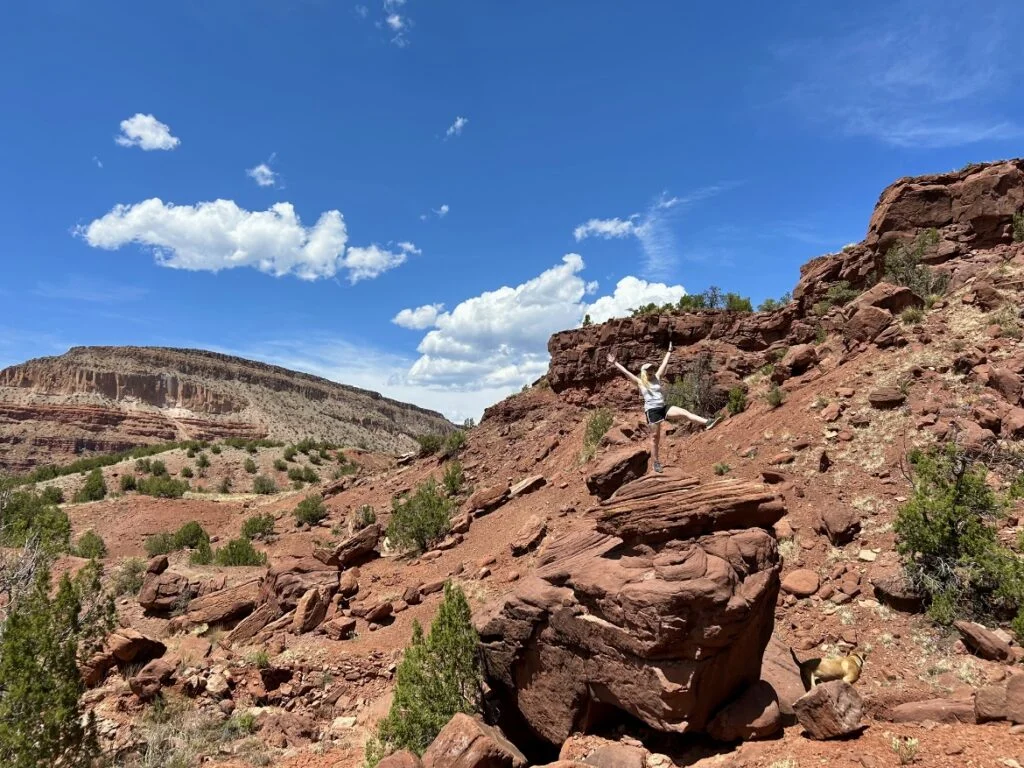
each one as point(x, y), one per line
point(40, 709)
point(438, 677)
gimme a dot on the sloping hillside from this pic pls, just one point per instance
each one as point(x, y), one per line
point(103, 399)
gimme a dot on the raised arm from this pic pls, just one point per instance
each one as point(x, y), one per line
point(664, 363)
point(626, 373)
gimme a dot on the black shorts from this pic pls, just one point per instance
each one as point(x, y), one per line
point(657, 415)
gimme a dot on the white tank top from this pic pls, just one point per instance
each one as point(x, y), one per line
point(653, 398)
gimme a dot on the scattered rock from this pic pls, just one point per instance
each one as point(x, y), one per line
point(983, 641)
point(122, 647)
point(529, 536)
point(617, 756)
point(528, 485)
point(867, 323)
point(867, 556)
point(468, 743)
point(841, 523)
point(886, 397)
point(830, 710)
point(151, 679)
point(801, 583)
point(894, 589)
point(894, 298)
point(310, 611)
point(487, 499)
point(799, 358)
point(340, 629)
point(403, 759)
point(935, 710)
point(754, 715)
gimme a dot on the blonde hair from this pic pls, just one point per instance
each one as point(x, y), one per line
point(645, 380)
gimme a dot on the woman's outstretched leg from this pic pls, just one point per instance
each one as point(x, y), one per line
point(675, 413)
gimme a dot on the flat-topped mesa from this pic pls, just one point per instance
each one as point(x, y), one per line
point(114, 398)
point(965, 211)
point(662, 626)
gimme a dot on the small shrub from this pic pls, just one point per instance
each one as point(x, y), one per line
point(143, 466)
point(215, 450)
point(187, 472)
point(160, 544)
point(263, 485)
point(203, 461)
point(736, 303)
point(190, 453)
point(225, 485)
point(289, 453)
point(1018, 227)
point(309, 475)
point(695, 390)
point(28, 516)
point(775, 396)
point(905, 748)
point(315, 460)
point(202, 554)
point(820, 334)
point(260, 659)
point(947, 537)
point(90, 545)
point(737, 402)
point(128, 483)
point(94, 488)
point(455, 442)
point(250, 466)
point(258, 526)
point(430, 443)
point(438, 677)
point(912, 316)
point(722, 468)
point(190, 535)
point(296, 474)
point(128, 577)
point(239, 552)
point(52, 495)
point(280, 465)
point(903, 266)
point(162, 487)
point(158, 469)
point(419, 520)
point(363, 517)
point(311, 510)
point(598, 424)
point(453, 478)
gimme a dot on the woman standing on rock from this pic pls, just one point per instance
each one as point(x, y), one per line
point(654, 402)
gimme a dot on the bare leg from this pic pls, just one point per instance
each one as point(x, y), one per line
point(675, 413)
point(655, 444)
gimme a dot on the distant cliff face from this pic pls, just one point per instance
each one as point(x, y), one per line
point(969, 213)
point(100, 399)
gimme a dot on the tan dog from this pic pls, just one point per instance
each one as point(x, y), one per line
point(846, 668)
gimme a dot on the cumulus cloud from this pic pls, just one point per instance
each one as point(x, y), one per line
point(147, 133)
point(499, 338)
point(217, 235)
point(419, 318)
point(455, 129)
point(630, 293)
point(262, 174)
point(394, 21)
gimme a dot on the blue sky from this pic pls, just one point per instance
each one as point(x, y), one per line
point(411, 196)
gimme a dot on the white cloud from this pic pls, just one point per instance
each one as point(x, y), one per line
point(455, 129)
point(218, 235)
point(630, 293)
point(394, 21)
point(605, 228)
point(99, 163)
point(499, 338)
point(442, 211)
point(262, 174)
point(362, 11)
point(147, 133)
point(653, 229)
point(912, 75)
point(420, 318)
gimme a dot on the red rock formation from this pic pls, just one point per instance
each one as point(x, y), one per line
point(649, 621)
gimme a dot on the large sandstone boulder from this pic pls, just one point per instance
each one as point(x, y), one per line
point(468, 743)
point(221, 606)
point(799, 358)
point(661, 610)
point(164, 590)
point(867, 323)
point(122, 647)
point(894, 298)
point(840, 522)
point(487, 499)
point(616, 469)
point(780, 670)
point(984, 641)
point(935, 711)
point(292, 576)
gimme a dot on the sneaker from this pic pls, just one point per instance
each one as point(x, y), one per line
point(712, 423)
point(657, 466)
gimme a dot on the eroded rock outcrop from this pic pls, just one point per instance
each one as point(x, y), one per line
point(661, 610)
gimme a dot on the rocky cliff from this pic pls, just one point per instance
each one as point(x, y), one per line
point(968, 214)
point(100, 399)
